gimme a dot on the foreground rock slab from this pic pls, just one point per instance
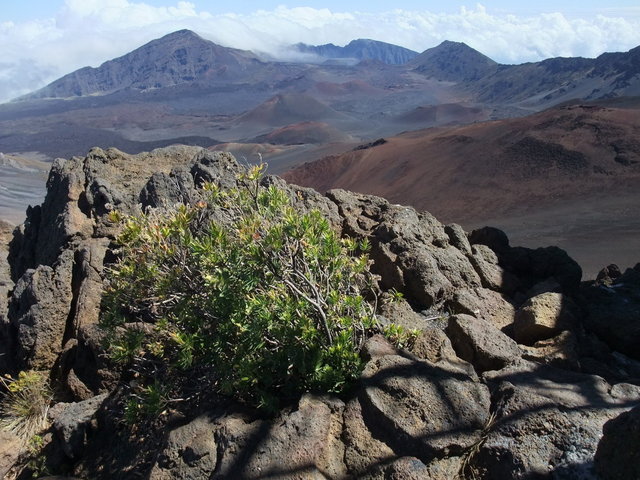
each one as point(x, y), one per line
point(429, 409)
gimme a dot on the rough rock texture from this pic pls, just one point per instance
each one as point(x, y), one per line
point(560, 351)
point(492, 274)
point(416, 413)
point(410, 468)
point(190, 452)
point(39, 310)
point(297, 445)
point(618, 454)
point(431, 409)
point(480, 343)
point(548, 422)
point(543, 317)
point(71, 423)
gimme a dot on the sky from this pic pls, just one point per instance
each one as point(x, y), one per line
point(41, 40)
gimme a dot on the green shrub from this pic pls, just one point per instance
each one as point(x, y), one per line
point(272, 299)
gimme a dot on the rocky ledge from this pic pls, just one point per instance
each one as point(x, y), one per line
point(518, 370)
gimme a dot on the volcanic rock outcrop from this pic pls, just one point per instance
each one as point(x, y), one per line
point(463, 400)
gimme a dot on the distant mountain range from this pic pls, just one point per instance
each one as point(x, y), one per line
point(184, 58)
point(361, 49)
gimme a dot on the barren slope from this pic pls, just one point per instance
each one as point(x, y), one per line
point(573, 172)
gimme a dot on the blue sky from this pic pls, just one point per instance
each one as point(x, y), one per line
point(21, 10)
point(42, 40)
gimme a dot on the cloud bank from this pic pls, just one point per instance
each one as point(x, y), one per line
point(89, 32)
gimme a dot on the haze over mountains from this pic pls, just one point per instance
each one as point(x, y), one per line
point(182, 88)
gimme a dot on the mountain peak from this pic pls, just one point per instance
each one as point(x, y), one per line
point(180, 57)
point(453, 61)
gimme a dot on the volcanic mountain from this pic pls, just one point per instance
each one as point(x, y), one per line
point(182, 57)
point(453, 61)
point(286, 109)
point(570, 174)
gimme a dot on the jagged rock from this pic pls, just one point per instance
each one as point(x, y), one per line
point(418, 412)
point(543, 317)
point(545, 286)
point(304, 199)
point(458, 238)
point(6, 285)
point(626, 392)
point(39, 310)
point(62, 215)
point(377, 346)
point(484, 304)
point(410, 250)
point(553, 262)
point(618, 454)
point(433, 345)
point(480, 343)
point(548, 423)
point(399, 312)
point(423, 409)
point(559, 351)
point(164, 190)
point(613, 313)
point(87, 282)
point(535, 266)
point(79, 391)
point(71, 423)
point(220, 168)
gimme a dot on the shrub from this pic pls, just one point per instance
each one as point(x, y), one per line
point(272, 298)
point(24, 407)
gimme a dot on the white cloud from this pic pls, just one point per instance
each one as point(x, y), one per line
point(89, 32)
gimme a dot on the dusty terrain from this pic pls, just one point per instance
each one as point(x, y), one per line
point(22, 183)
point(567, 176)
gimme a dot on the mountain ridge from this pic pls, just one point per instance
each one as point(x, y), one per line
point(361, 49)
point(177, 58)
point(184, 57)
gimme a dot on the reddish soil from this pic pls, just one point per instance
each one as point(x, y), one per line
point(552, 167)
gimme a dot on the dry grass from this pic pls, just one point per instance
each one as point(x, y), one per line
point(24, 407)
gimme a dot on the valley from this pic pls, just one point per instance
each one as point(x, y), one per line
point(468, 139)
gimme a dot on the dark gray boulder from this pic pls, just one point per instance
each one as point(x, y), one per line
point(38, 312)
point(618, 454)
point(613, 312)
point(72, 424)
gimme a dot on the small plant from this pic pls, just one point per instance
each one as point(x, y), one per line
point(400, 336)
point(150, 401)
point(24, 408)
point(271, 298)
